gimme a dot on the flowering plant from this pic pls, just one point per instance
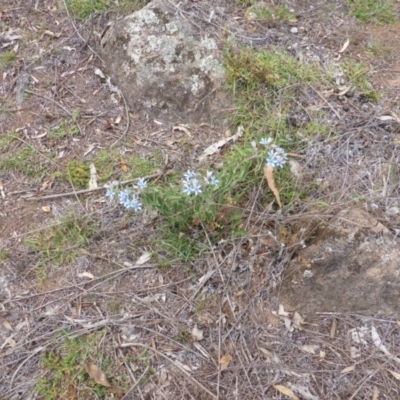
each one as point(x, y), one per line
point(129, 198)
point(277, 156)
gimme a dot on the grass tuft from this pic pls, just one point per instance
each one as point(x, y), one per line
point(62, 243)
point(372, 11)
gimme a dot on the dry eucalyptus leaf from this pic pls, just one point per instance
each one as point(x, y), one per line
point(333, 328)
point(348, 369)
point(124, 165)
point(118, 119)
point(197, 334)
point(286, 391)
point(143, 258)
point(344, 47)
point(97, 374)
point(52, 34)
point(303, 391)
point(93, 177)
point(297, 320)
point(395, 374)
point(224, 362)
point(8, 326)
point(206, 319)
point(310, 349)
point(215, 147)
point(11, 342)
point(269, 175)
point(281, 311)
point(375, 393)
point(86, 275)
point(183, 129)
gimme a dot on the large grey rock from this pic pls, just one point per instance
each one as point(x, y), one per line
point(353, 265)
point(164, 68)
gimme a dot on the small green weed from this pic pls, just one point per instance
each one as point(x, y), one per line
point(376, 49)
point(62, 243)
point(129, 6)
point(64, 129)
point(3, 255)
point(5, 142)
point(79, 173)
point(26, 160)
point(272, 15)
point(84, 8)
point(183, 337)
point(7, 59)
point(375, 11)
point(249, 69)
point(66, 377)
point(139, 166)
point(357, 74)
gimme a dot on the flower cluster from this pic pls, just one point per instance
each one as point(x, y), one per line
point(193, 182)
point(276, 156)
point(129, 198)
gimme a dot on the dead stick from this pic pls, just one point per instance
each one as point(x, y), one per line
point(83, 191)
point(173, 363)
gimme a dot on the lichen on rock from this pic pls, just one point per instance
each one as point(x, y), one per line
point(164, 68)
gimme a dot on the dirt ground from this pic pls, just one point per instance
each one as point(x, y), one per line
point(155, 336)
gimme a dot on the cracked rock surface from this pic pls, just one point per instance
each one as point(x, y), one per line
point(165, 68)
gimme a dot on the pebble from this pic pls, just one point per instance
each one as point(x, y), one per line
point(294, 30)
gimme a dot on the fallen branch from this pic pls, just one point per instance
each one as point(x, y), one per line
point(83, 191)
point(213, 396)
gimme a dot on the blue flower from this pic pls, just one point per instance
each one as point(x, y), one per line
point(281, 152)
point(110, 193)
point(111, 189)
point(192, 186)
point(133, 203)
point(142, 183)
point(123, 196)
point(279, 161)
point(266, 141)
point(189, 175)
point(196, 187)
point(214, 181)
point(276, 157)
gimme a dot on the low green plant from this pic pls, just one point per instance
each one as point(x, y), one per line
point(64, 129)
point(129, 6)
point(84, 8)
point(26, 160)
point(247, 68)
point(79, 173)
point(139, 166)
point(272, 15)
point(375, 11)
point(65, 374)
point(357, 73)
point(61, 243)
point(183, 337)
point(7, 59)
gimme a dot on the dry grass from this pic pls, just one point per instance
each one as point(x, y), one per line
point(139, 322)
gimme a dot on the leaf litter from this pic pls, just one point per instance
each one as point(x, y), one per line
point(271, 359)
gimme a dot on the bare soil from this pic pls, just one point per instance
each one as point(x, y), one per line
point(232, 292)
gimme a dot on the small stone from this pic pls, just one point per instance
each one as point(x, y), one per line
point(349, 93)
point(346, 107)
point(294, 30)
point(392, 211)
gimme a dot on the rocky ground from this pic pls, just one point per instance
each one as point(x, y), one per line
point(93, 305)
